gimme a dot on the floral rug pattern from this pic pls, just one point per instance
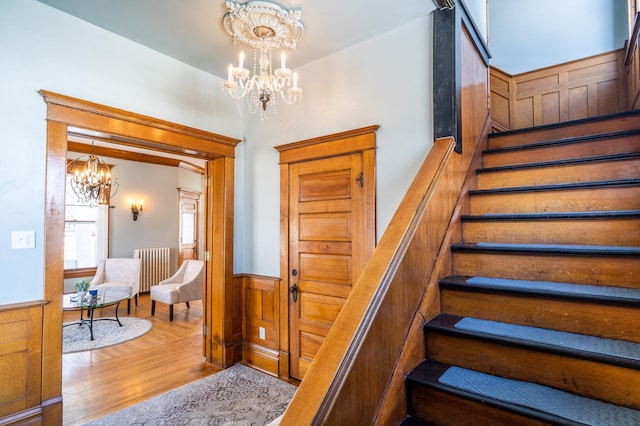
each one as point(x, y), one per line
point(238, 396)
point(77, 338)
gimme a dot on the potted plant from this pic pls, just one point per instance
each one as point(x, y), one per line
point(81, 288)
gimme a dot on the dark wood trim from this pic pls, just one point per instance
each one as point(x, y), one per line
point(447, 69)
point(633, 41)
point(446, 77)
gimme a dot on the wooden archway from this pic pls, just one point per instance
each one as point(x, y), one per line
point(126, 128)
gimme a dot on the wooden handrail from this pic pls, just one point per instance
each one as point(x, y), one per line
point(335, 360)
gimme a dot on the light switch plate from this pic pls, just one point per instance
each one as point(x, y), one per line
point(23, 239)
point(263, 335)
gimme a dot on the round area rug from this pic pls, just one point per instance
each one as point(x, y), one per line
point(77, 338)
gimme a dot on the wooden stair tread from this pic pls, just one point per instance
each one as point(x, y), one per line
point(558, 187)
point(600, 294)
point(609, 351)
point(586, 215)
point(564, 162)
point(579, 121)
point(563, 141)
point(528, 399)
point(568, 249)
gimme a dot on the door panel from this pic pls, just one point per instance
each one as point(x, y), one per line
point(189, 229)
point(326, 226)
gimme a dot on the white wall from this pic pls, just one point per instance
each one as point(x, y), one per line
point(384, 81)
point(43, 48)
point(525, 35)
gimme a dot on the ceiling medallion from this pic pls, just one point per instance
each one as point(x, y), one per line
point(263, 26)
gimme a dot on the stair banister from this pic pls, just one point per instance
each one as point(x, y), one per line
point(355, 377)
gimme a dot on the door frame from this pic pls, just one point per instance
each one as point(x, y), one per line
point(360, 140)
point(127, 128)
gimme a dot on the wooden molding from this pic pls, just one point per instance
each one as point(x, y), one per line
point(191, 167)
point(328, 146)
point(79, 272)
point(22, 305)
point(102, 151)
point(127, 116)
point(130, 129)
point(89, 119)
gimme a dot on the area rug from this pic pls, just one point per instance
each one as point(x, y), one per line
point(238, 395)
point(77, 338)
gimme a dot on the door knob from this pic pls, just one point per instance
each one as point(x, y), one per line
point(294, 292)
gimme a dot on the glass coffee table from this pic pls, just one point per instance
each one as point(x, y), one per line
point(88, 304)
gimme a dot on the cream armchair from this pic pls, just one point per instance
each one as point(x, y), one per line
point(185, 285)
point(121, 275)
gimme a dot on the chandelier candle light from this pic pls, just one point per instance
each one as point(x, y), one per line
point(263, 26)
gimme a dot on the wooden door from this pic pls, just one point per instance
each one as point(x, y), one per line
point(327, 246)
point(189, 229)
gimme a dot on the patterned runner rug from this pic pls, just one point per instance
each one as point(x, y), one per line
point(238, 395)
point(77, 338)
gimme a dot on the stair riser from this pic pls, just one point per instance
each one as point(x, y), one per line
point(612, 232)
point(605, 382)
point(575, 200)
point(573, 173)
point(575, 269)
point(584, 129)
point(562, 151)
point(609, 321)
point(444, 409)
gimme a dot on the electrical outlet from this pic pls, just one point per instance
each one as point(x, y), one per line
point(263, 334)
point(23, 239)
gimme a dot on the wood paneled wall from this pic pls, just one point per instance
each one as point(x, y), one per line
point(632, 65)
point(21, 363)
point(260, 315)
point(573, 90)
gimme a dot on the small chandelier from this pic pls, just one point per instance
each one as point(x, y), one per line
point(91, 179)
point(263, 26)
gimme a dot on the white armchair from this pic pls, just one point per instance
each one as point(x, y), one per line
point(185, 285)
point(121, 275)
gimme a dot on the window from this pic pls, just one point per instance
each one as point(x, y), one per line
point(85, 232)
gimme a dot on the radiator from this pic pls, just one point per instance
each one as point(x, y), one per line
point(154, 266)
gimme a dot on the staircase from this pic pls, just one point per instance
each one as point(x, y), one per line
point(540, 321)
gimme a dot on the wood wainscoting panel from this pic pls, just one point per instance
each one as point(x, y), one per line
point(260, 321)
point(20, 362)
point(584, 88)
point(501, 89)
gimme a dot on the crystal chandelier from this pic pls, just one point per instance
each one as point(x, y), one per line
point(263, 26)
point(91, 179)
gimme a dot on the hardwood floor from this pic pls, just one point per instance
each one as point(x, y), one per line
point(96, 383)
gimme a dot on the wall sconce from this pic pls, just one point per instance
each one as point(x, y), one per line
point(135, 208)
